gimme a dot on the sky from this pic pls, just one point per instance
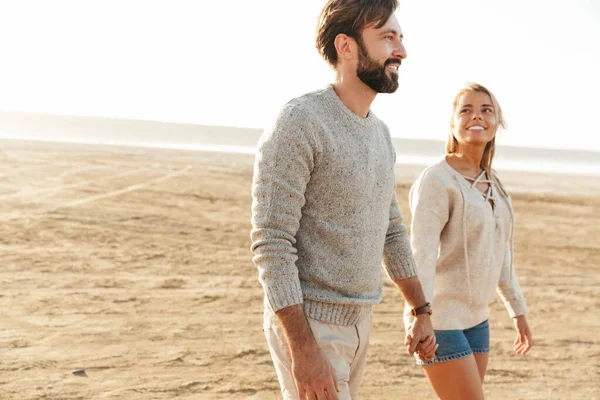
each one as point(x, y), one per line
point(236, 62)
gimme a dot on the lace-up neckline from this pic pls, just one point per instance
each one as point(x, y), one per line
point(489, 193)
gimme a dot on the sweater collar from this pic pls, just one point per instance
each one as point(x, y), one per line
point(334, 100)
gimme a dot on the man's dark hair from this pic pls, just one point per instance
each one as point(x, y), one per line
point(349, 17)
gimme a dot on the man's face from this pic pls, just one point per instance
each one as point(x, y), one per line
point(380, 53)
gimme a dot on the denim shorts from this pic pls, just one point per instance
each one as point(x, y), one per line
point(455, 344)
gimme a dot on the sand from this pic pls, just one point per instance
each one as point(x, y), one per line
point(134, 265)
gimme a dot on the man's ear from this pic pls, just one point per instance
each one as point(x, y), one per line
point(345, 46)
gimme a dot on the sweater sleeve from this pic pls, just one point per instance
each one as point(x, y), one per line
point(397, 255)
point(282, 170)
point(430, 208)
point(509, 289)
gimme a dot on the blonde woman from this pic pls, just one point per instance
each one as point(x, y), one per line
point(462, 238)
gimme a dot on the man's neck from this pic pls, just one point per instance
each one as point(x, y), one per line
point(354, 94)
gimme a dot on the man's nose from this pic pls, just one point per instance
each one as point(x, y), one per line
point(400, 51)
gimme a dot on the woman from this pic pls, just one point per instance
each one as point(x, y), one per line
point(462, 240)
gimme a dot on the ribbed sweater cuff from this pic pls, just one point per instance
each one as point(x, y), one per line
point(339, 314)
point(282, 293)
point(401, 268)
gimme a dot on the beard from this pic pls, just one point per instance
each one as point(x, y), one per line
point(373, 74)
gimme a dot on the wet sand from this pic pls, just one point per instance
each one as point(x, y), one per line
point(134, 265)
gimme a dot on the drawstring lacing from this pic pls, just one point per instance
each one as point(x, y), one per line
point(489, 194)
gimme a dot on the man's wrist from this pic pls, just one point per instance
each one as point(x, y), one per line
point(303, 351)
point(422, 310)
point(421, 317)
point(297, 330)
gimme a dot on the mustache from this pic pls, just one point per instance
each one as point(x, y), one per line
point(392, 61)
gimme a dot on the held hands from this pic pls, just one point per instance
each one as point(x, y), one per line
point(524, 341)
point(420, 338)
point(314, 374)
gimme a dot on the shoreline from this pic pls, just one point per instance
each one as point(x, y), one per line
point(503, 165)
point(522, 182)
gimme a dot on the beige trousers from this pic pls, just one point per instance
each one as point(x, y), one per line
point(344, 346)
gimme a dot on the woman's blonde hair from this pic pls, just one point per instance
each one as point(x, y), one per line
point(490, 148)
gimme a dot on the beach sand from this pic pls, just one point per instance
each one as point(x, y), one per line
point(134, 265)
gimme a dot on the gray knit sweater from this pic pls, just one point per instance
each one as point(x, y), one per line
point(324, 211)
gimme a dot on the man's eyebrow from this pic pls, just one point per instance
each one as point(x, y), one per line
point(392, 31)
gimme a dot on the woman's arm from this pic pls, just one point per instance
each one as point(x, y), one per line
point(510, 293)
point(430, 208)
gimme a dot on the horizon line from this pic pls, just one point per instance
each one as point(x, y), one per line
point(196, 124)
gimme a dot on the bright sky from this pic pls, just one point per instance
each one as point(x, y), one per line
point(236, 62)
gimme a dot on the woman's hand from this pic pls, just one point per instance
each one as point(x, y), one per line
point(524, 341)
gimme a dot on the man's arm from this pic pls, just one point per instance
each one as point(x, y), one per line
point(401, 267)
point(284, 163)
point(420, 336)
point(312, 371)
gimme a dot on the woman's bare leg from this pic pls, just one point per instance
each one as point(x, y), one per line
point(456, 379)
point(482, 362)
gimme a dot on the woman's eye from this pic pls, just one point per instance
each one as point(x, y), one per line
point(464, 111)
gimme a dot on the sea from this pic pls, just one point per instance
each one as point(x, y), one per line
point(154, 134)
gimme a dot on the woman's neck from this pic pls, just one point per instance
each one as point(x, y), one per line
point(468, 158)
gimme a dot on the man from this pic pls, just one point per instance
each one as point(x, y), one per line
point(325, 213)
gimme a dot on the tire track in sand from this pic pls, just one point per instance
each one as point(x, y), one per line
point(80, 202)
point(127, 189)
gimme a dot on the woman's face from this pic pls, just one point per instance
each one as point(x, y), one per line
point(474, 118)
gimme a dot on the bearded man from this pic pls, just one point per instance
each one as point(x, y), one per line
point(325, 214)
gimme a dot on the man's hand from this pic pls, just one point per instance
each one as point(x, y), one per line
point(420, 338)
point(314, 376)
point(419, 335)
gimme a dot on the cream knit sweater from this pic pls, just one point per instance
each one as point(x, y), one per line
point(324, 211)
point(463, 249)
